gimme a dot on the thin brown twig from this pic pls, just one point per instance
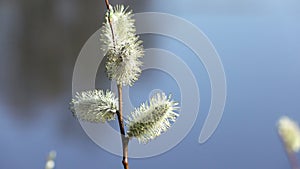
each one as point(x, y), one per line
point(293, 160)
point(107, 4)
point(125, 139)
point(110, 22)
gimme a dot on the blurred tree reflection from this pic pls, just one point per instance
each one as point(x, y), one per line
point(36, 69)
point(52, 35)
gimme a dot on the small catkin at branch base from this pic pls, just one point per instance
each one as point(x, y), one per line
point(289, 133)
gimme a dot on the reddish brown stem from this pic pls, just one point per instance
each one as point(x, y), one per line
point(125, 140)
point(107, 4)
point(110, 22)
point(293, 159)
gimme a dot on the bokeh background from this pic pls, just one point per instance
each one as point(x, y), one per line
point(259, 45)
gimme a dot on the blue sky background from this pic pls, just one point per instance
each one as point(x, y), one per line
point(258, 43)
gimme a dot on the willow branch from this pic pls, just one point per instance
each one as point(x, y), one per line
point(293, 160)
point(125, 140)
point(110, 22)
point(107, 4)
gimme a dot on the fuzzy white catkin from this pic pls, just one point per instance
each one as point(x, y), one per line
point(290, 133)
point(149, 121)
point(94, 106)
point(50, 163)
point(124, 49)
